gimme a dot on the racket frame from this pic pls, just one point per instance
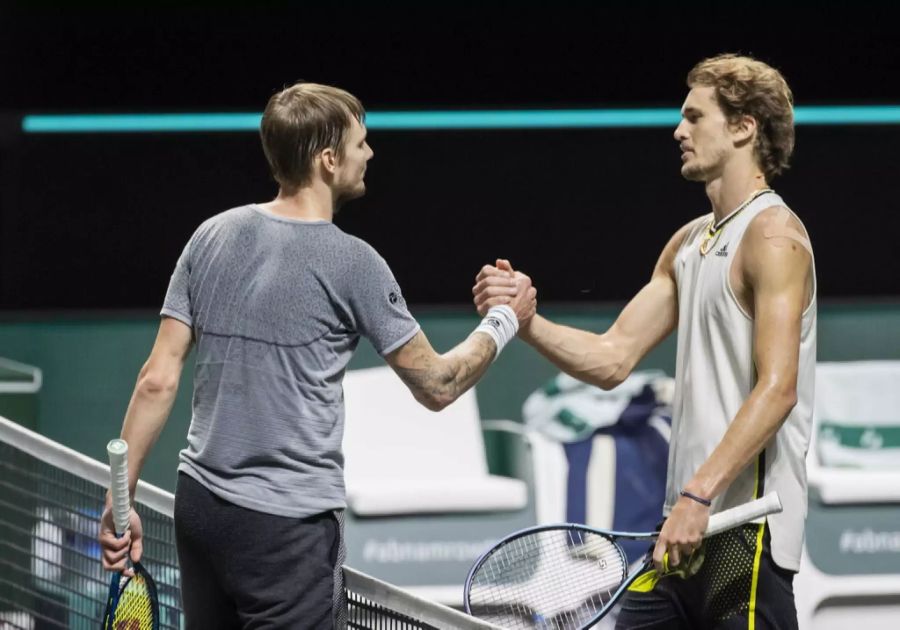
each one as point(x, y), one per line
point(718, 523)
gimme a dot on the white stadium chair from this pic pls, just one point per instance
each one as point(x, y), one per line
point(421, 503)
point(850, 572)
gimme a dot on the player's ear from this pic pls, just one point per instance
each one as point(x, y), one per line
point(328, 158)
point(744, 130)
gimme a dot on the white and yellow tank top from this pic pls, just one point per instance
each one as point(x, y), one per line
point(715, 374)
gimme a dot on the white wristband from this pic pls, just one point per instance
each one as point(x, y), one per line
point(501, 324)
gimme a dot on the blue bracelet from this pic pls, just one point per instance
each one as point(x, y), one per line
point(694, 497)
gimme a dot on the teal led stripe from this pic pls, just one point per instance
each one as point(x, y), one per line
point(392, 121)
point(139, 123)
point(856, 115)
point(440, 120)
point(524, 119)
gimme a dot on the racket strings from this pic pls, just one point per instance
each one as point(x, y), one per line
point(555, 579)
point(134, 610)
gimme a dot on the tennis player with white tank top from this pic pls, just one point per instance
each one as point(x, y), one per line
point(739, 286)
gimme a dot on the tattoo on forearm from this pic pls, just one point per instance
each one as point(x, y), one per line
point(446, 377)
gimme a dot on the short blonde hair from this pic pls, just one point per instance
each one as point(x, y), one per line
point(301, 121)
point(747, 87)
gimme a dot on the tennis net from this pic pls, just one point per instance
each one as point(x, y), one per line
point(50, 572)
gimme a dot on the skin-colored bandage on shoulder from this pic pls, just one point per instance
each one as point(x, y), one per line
point(780, 227)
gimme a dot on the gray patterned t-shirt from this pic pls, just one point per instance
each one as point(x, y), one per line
point(277, 307)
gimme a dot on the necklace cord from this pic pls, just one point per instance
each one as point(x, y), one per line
point(714, 229)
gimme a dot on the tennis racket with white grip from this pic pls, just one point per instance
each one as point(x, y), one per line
point(568, 576)
point(132, 601)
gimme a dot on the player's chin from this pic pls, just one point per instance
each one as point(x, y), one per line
point(692, 172)
point(358, 191)
point(349, 194)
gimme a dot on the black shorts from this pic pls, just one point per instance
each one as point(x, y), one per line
point(738, 585)
point(246, 569)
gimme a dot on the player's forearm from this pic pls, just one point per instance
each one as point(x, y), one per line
point(149, 409)
point(757, 422)
point(596, 359)
point(436, 380)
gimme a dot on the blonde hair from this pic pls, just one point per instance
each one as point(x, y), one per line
point(747, 87)
point(301, 121)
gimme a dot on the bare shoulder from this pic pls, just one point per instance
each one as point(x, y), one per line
point(682, 233)
point(776, 239)
point(666, 262)
point(779, 227)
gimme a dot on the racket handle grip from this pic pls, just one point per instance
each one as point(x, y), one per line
point(118, 483)
point(769, 504)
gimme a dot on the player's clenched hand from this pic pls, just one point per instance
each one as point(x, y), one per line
point(493, 287)
point(525, 302)
point(681, 534)
point(500, 284)
point(115, 550)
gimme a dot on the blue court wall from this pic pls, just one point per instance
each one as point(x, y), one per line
point(90, 364)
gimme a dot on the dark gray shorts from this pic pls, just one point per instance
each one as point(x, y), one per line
point(737, 581)
point(246, 569)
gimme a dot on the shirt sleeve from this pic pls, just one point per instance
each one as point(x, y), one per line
point(178, 297)
point(377, 305)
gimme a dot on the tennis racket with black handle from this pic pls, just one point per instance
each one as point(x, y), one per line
point(132, 603)
point(568, 576)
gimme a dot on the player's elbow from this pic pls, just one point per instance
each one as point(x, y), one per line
point(614, 368)
point(612, 379)
point(782, 394)
point(438, 386)
point(437, 381)
point(434, 401)
point(440, 403)
point(788, 398)
point(154, 382)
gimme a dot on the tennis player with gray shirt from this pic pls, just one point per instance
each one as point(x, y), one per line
point(276, 298)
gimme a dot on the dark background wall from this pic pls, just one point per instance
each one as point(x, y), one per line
point(440, 54)
point(97, 221)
